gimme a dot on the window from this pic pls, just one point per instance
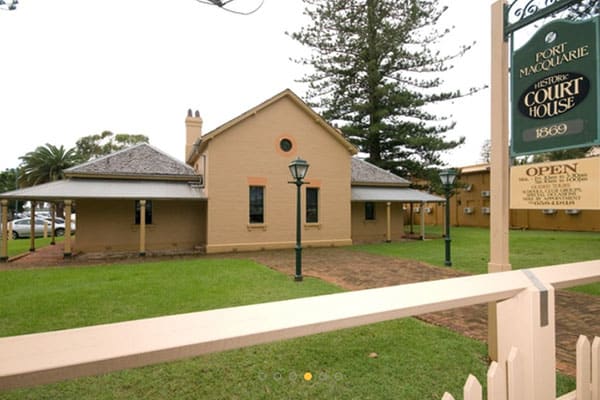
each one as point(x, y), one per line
point(257, 204)
point(370, 211)
point(312, 205)
point(148, 212)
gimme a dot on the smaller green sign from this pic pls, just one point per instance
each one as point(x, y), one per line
point(555, 88)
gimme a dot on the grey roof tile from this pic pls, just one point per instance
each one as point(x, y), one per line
point(139, 160)
point(364, 172)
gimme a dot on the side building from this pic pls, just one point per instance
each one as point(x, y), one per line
point(470, 206)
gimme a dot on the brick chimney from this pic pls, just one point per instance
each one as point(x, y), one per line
point(193, 131)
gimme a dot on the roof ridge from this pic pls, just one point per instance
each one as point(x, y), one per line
point(141, 159)
point(377, 167)
point(88, 162)
point(168, 155)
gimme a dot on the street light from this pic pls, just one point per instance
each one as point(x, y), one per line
point(298, 169)
point(447, 178)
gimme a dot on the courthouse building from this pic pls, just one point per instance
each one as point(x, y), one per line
point(233, 193)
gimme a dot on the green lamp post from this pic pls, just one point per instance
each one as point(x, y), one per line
point(447, 178)
point(298, 169)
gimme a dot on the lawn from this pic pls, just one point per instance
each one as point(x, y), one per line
point(20, 246)
point(60, 298)
point(414, 360)
point(470, 249)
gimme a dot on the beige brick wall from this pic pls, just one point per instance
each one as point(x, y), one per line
point(376, 230)
point(248, 153)
point(109, 225)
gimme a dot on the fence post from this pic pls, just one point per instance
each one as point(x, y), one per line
point(596, 368)
point(526, 321)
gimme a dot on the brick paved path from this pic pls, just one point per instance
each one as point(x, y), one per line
point(575, 313)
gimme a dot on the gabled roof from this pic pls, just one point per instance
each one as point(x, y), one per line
point(367, 174)
point(141, 161)
point(203, 141)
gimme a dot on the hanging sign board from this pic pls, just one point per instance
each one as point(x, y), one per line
point(561, 185)
point(555, 88)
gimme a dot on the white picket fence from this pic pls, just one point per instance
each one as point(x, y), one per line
point(503, 383)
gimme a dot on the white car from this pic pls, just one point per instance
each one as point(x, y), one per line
point(22, 227)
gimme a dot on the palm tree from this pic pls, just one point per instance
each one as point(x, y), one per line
point(45, 164)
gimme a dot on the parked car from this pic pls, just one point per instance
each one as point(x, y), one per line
point(22, 227)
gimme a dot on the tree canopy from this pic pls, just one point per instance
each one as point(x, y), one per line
point(94, 146)
point(8, 182)
point(375, 68)
point(47, 163)
point(485, 153)
point(584, 9)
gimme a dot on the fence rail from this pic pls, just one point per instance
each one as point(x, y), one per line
point(53, 356)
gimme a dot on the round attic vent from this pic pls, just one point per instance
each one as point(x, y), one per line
point(285, 145)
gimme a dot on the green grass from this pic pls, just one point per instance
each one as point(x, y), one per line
point(470, 250)
point(60, 298)
point(20, 246)
point(415, 360)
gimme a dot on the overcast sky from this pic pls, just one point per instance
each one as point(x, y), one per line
point(73, 68)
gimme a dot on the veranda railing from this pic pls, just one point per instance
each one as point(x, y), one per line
point(525, 324)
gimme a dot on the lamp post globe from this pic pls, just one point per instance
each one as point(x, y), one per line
point(447, 178)
point(298, 169)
